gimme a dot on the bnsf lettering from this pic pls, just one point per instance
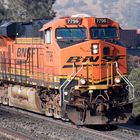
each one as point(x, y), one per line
point(75, 59)
point(23, 52)
point(91, 59)
point(110, 58)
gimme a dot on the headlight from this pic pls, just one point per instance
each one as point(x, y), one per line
point(82, 81)
point(95, 48)
point(117, 80)
point(65, 93)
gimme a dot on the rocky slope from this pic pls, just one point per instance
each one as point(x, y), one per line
point(125, 12)
point(25, 10)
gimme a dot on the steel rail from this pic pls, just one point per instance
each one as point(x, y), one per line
point(12, 134)
point(130, 131)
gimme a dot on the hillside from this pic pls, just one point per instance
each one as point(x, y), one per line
point(126, 12)
point(25, 10)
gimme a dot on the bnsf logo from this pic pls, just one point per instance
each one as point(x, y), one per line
point(24, 52)
point(75, 59)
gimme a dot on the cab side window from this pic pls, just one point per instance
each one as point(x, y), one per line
point(48, 36)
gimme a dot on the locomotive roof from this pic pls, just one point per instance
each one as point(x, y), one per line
point(85, 19)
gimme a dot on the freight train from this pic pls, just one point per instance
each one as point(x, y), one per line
point(130, 38)
point(72, 68)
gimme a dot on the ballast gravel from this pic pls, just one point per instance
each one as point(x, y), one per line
point(39, 129)
point(42, 129)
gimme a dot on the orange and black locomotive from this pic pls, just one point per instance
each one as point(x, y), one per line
point(74, 68)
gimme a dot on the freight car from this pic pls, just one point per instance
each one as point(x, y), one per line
point(130, 38)
point(75, 68)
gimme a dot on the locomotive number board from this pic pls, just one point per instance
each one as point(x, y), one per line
point(101, 21)
point(74, 21)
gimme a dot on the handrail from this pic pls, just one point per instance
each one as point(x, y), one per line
point(110, 70)
point(72, 79)
point(64, 84)
point(126, 80)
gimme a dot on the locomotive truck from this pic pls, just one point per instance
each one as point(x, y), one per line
point(75, 69)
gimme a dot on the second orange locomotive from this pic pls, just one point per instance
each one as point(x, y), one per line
point(77, 70)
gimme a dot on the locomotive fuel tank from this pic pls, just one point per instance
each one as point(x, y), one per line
point(4, 95)
point(25, 98)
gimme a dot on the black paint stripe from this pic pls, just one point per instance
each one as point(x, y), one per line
point(70, 66)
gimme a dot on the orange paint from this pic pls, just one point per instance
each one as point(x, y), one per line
point(50, 59)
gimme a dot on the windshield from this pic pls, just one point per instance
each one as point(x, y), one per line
point(103, 32)
point(71, 33)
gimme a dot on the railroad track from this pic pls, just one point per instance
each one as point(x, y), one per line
point(95, 133)
point(129, 131)
point(14, 135)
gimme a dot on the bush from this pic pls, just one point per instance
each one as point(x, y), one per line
point(134, 77)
